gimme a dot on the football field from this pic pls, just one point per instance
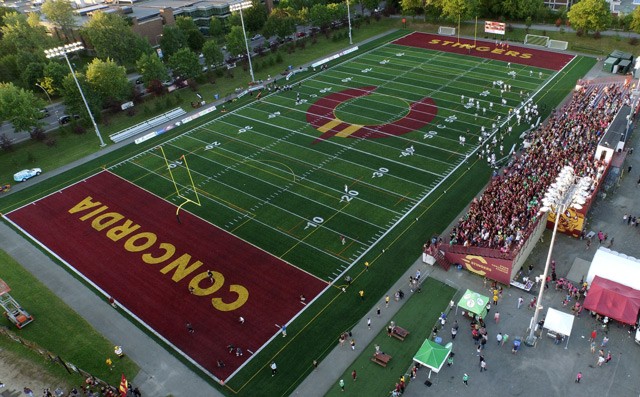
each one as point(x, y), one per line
point(319, 173)
point(278, 199)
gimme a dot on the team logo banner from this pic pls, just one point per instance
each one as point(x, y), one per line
point(494, 27)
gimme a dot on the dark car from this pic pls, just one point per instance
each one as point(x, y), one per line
point(44, 112)
point(66, 119)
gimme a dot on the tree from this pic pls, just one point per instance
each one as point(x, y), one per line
point(216, 28)
point(73, 101)
point(280, 23)
point(521, 9)
point(635, 20)
point(108, 80)
point(410, 7)
point(185, 64)
point(320, 16)
point(172, 40)
point(112, 38)
point(24, 34)
point(370, 5)
point(152, 69)
point(255, 16)
point(60, 13)
point(590, 15)
point(212, 54)
point(54, 74)
point(194, 38)
point(19, 107)
point(235, 41)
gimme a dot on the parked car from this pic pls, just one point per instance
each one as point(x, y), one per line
point(66, 119)
point(44, 112)
point(301, 34)
point(23, 175)
point(256, 37)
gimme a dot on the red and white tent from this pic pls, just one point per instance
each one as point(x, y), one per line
point(614, 300)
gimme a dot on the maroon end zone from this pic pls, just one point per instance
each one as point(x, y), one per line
point(487, 49)
point(129, 243)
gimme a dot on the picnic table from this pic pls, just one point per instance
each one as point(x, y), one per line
point(381, 359)
point(399, 333)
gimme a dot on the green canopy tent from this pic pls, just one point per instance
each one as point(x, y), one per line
point(474, 303)
point(432, 355)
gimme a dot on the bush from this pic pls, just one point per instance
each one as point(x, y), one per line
point(579, 33)
point(279, 58)
point(131, 111)
point(78, 129)
point(38, 134)
point(5, 143)
point(30, 158)
point(558, 22)
point(633, 40)
point(597, 35)
point(50, 142)
point(509, 28)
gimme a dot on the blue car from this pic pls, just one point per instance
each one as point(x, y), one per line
point(23, 175)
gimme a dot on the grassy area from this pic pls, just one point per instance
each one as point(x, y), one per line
point(418, 316)
point(59, 329)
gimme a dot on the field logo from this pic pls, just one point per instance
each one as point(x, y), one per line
point(322, 116)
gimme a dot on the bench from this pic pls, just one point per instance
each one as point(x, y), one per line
point(381, 359)
point(399, 333)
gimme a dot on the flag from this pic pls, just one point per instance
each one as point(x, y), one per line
point(124, 386)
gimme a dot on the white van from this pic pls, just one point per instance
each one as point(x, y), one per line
point(638, 336)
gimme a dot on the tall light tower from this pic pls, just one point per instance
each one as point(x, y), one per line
point(239, 6)
point(349, 21)
point(567, 191)
point(62, 52)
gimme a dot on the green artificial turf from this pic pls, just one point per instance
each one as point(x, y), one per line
point(280, 227)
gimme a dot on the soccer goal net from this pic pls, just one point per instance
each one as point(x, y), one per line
point(558, 44)
point(534, 39)
point(446, 31)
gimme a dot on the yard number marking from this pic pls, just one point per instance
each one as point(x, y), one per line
point(400, 54)
point(317, 220)
point(322, 91)
point(274, 115)
point(367, 70)
point(348, 196)
point(484, 93)
point(245, 129)
point(451, 118)
point(346, 80)
point(212, 145)
point(430, 134)
point(384, 62)
point(381, 171)
point(174, 164)
point(410, 151)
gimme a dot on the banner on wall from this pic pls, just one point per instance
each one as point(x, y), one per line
point(494, 27)
point(492, 268)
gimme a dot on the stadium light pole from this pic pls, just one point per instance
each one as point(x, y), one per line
point(62, 52)
point(566, 192)
point(349, 22)
point(239, 6)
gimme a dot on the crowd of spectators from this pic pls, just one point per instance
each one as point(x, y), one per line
point(504, 215)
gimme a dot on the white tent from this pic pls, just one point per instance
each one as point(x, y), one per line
point(559, 323)
point(616, 267)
